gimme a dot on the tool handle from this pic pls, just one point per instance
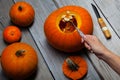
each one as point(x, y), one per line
point(104, 28)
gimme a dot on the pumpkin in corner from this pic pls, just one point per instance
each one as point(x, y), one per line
point(19, 60)
point(22, 13)
point(59, 31)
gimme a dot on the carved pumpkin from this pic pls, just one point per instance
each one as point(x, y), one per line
point(19, 60)
point(61, 34)
point(22, 13)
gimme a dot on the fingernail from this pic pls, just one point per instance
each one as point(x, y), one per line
point(82, 40)
point(84, 36)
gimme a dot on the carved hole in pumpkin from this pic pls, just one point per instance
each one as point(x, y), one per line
point(66, 26)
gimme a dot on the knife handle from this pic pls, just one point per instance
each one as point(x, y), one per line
point(104, 28)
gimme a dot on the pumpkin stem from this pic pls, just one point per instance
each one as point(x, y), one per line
point(20, 8)
point(20, 53)
point(72, 65)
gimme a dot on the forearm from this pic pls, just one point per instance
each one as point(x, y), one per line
point(112, 60)
point(93, 44)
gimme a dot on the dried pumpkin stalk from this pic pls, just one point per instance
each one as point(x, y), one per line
point(73, 66)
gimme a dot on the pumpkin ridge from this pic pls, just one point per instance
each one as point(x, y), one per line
point(19, 67)
point(22, 13)
point(72, 40)
point(82, 70)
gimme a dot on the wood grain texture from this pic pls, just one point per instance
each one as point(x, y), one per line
point(42, 70)
point(111, 10)
point(104, 7)
point(97, 69)
point(113, 43)
point(53, 57)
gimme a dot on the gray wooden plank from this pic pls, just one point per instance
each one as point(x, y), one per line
point(111, 10)
point(54, 58)
point(42, 72)
point(105, 71)
point(43, 11)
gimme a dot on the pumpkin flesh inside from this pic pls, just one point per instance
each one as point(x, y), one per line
point(60, 31)
point(65, 22)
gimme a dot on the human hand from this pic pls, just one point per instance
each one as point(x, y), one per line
point(93, 44)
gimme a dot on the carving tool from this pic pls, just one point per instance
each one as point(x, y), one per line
point(80, 33)
point(102, 24)
point(78, 30)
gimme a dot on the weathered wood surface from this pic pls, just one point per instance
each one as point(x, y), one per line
point(42, 70)
point(111, 16)
point(51, 59)
point(110, 11)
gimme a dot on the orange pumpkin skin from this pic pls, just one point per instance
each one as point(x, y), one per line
point(81, 71)
point(19, 66)
point(12, 34)
point(22, 14)
point(69, 41)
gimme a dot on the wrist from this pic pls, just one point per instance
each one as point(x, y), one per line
point(104, 54)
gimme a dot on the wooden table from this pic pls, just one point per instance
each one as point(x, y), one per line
point(50, 60)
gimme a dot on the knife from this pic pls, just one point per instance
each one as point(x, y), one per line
point(78, 30)
point(102, 24)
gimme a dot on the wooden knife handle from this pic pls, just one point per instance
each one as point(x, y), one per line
point(104, 28)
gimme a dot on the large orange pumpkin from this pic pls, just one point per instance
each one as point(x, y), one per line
point(22, 13)
point(61, 34)
point(19, 60)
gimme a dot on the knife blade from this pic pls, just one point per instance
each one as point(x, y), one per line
point(101, 22)
point(78, 30)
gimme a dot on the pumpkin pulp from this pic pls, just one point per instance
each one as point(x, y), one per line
point(60, 31)
point(65, 22)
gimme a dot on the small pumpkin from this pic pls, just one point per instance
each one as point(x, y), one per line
point(12, 34)
point(19, 60)
point(75, 67)
point(22, 13)
point(59, 31)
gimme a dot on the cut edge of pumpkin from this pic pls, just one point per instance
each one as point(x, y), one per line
point(68, 15)
point(70, 73)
